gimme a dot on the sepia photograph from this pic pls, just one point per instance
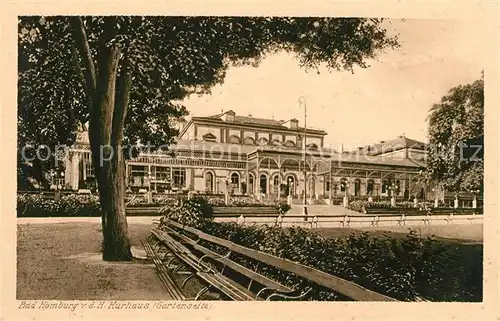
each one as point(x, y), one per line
point(180, 161)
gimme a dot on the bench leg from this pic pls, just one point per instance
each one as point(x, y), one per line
point(187, 279)
point(202, 291)
point(178, 268)
point(167, 255)
point(294, 295)
point(171, 260)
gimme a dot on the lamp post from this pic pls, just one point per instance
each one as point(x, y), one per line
point(436, 198)
point(346, 198)
point(474, 201)
point(391, 189)
point(302, 102)
point(58, 187)
point(150, 197)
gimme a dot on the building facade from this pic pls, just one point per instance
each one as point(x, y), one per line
point(265, 158)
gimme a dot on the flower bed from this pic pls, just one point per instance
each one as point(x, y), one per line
point(406, 269)
point(67, 206)
point(385, 206)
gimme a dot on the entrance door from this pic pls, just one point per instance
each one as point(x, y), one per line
point(357, 187)
point(290, 184)
point(209, 182)
point(369, 187)
point(263, 184)
point(250, 184)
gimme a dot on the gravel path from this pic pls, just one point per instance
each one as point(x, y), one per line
point(62, 262)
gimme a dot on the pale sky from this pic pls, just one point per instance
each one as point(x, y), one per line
point(390, 98)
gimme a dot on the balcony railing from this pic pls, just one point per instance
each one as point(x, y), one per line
point(190, 162)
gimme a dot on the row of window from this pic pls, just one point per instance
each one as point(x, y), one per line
point(233, 139)
point(139, 175)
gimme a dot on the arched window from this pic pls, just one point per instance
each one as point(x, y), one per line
point(263, 141)
point(251, 182)
point(249, 141)
point(312, 146)
point(235, 182)
point(209, 182)
point(357, 186)
point(370, 186)
point(235, 178)
point(233, 139)
point(263, 183)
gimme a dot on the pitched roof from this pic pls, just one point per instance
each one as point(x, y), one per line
point(249, 120)
point(388, 146)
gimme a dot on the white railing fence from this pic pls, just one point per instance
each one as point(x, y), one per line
point(325, 221)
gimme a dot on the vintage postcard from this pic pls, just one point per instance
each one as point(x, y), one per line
point(310, 160)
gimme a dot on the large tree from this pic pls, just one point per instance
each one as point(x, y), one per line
point(456, 139)
point(127, 77)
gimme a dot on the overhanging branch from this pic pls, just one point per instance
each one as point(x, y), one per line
point(80, 37)
point(124, 86)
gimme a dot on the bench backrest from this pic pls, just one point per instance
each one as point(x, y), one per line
point(347, 288)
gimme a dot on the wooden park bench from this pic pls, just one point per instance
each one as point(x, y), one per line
point(195, 265)
point(189, 247)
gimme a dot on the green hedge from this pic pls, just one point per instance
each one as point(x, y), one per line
point(67, 206)
point(406, 269)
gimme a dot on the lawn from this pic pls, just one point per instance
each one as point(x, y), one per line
point(467, 233)
point(63, 262)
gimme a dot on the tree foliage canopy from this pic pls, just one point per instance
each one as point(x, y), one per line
point(170, 58)
point(456, 131)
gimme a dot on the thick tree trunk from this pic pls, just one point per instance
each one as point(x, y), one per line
point(116, 245)
point(107, 115)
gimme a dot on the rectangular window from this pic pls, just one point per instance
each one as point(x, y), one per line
point(327, 186)
point(179, 177)
point(163, 173)
point(138, 175)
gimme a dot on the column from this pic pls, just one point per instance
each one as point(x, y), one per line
point(257, 178)
point(279, 182)
point(247, 178)
point(150, 195)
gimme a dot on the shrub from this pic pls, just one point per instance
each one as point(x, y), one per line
point(283, 208)
point(192, 212)
point(67, 206)
point(360, 205)
point(406, 269)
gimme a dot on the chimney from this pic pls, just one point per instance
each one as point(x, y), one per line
point(294, 123)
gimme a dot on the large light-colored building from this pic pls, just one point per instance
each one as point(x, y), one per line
point(263, 157)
